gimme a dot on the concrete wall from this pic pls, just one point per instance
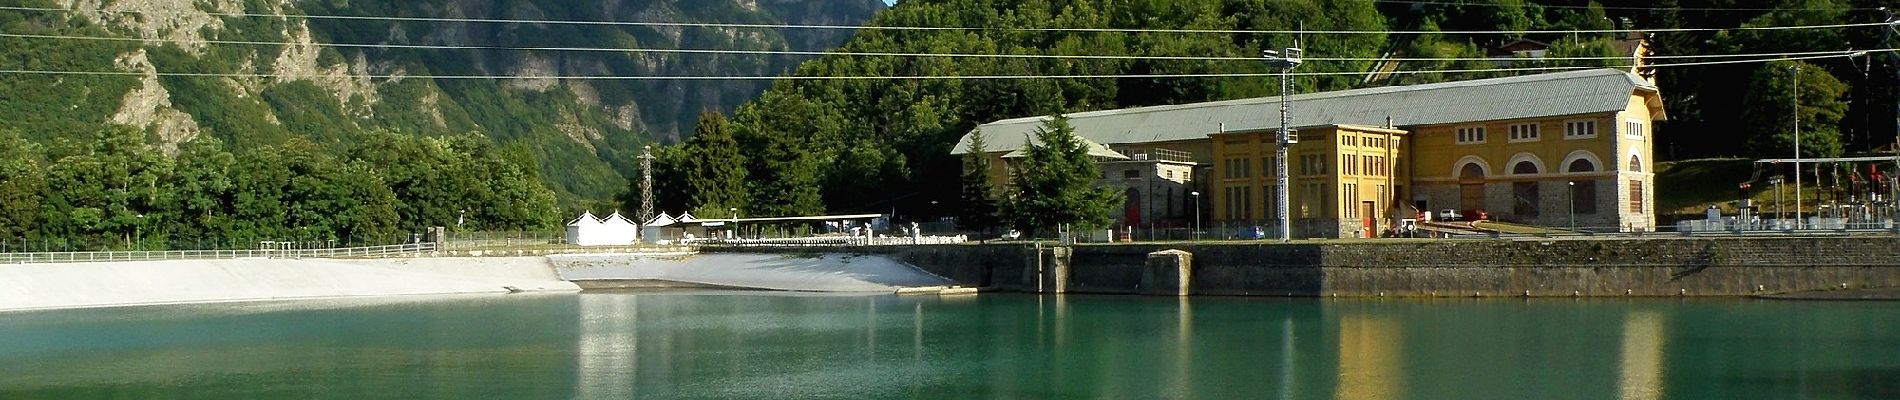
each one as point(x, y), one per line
point(1637, 267)
point(132, 283)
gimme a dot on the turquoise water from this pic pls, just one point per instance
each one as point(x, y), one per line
point(758, 345)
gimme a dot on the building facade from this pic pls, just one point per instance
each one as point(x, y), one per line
point(1560, 150)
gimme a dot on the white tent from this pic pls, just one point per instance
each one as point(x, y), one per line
point(654, 230)
point(615, 230)
point(661, 220)
point(582, 228)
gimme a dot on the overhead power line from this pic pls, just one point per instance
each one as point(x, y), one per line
point(938, 28)
point(1627, 8)
point(876, 54)
point(904, 77)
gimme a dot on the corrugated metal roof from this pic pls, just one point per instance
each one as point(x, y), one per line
point(1528, 96)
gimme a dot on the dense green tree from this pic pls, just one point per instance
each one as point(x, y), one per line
point(295, 192)
point(203, 185)
point(715, 168)
point(462, 181)
point(104, 193)
point(781, 173)
point(22, 185)
point(1054, 185)
point(979, 211)
point(1770, 109)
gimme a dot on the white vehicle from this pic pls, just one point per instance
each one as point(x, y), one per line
point(1450, 215)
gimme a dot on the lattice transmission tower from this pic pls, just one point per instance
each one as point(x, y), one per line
point(646, 184)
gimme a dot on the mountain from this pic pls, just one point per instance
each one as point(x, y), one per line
point(258, 72)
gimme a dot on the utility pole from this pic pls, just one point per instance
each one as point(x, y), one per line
point(1886, 37)
point(1285, 60)
point(1795, 71)
point(646, 184)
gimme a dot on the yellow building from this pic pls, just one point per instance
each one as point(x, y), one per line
point(1539, 149)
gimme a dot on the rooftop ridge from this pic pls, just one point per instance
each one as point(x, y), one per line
point(1587, 73)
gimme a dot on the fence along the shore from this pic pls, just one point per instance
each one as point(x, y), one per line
point(339, 252)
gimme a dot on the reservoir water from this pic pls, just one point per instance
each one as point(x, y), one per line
point(767, 345)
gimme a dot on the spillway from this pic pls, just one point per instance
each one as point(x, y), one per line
point(806, 273)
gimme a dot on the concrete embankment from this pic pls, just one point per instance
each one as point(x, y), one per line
point(1489, 268)
point(130, 283)
point(789, 272)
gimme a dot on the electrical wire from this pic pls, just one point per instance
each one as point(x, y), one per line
point(1628, 8)
point(899, 77)
point(869, 54)
point(936, 28)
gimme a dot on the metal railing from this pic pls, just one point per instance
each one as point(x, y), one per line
point(95, 256)
point(823, 241)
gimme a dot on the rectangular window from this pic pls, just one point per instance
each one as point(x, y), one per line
point(1580, 129)
point(1636, 196)
point(1267, 166)
point(1523, 133)
point(1246, 168)
point(1471, 135)
point(1271, 202)
point(1633, 129)
point(1131, 174)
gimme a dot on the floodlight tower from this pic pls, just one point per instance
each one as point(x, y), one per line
point(1285, 60)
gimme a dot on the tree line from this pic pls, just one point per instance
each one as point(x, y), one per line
point(113, 191)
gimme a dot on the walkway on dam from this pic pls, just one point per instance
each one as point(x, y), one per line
point(817, 273)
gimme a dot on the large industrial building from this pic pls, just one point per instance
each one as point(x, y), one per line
point(1541, 149)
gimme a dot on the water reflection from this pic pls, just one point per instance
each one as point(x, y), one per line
point(608, 350)
point(1642, 357)
point(1369, 358)
point(749, 345)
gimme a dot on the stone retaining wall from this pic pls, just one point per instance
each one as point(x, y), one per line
point(1580, 267)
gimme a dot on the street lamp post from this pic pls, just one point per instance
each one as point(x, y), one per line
point(1285, 60)
point(138, 238)
point(1197, 214)
point(1572, 196)
point(735, 221)
point(1795, 72)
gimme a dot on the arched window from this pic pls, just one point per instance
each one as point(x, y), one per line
point(1471, 171)
point(1636, 163)
point(1582, 165)
point(1524, 168)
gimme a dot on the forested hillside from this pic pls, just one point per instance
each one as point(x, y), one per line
point(883, 144)
point(156, 124)
point(255, 73)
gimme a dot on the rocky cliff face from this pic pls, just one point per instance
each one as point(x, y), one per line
point(270, 75)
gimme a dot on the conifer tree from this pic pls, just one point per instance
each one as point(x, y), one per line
point(979, 207)
point(1055, 184)
point(715, 169)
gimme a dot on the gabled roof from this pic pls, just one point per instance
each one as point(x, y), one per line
point(661, 219)
point(1095, 150)
point(615, 217)
point(586, 216)
point(686, 217)
point(1527, 96)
